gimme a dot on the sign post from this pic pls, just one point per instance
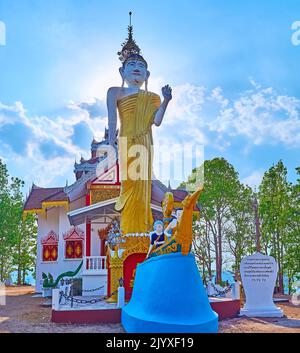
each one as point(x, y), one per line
point(259, 274)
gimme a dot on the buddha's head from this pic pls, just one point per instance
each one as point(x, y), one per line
point(135, 71)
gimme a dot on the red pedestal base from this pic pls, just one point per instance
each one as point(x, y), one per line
point(225, 308)
point(112, 316)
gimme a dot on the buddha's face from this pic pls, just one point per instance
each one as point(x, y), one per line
point(134, 73)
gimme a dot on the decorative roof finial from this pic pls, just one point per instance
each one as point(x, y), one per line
point(129, 47)
point(82, 160)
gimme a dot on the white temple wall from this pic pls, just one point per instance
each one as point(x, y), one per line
point(95, 241)
point(58, 221)
point(64, 226)
point(45, 225)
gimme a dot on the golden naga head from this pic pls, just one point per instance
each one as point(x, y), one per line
point(191, 199)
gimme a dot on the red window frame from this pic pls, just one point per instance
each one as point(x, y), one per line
point(74, 243)
point(74, 249)
point(50, 247)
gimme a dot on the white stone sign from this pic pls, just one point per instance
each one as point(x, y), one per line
point(259, 274)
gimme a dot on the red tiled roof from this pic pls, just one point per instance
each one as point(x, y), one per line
point(59, 196)
point(179, 195)
point(158, 192)
point(38, 195)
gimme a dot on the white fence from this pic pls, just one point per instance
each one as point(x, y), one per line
point(94, 264)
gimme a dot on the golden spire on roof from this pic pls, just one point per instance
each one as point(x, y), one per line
point(129, 47)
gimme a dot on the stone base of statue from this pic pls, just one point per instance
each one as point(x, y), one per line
point(169, 297)
point(273, 311)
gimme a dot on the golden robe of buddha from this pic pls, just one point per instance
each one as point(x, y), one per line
point(136, 113)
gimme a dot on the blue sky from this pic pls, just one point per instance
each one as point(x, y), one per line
point(232, 66)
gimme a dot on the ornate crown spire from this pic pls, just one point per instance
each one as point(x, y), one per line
point(129, 47)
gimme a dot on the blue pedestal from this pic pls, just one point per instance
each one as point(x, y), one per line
point(169, 297)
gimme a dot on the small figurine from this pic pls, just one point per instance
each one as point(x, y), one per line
point(157, 237)
point(179, 231)
point(169, 231)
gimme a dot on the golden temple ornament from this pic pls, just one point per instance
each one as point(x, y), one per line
point(129, 47)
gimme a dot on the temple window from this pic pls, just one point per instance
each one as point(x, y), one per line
point(50, 247)
point(74, 240)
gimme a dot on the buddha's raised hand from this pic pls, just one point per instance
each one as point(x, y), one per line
point(167, 92)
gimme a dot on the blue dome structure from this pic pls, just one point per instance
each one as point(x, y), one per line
point(169, 297)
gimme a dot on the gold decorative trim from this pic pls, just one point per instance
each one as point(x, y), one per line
point(47, 204)
point(101, 186)
point(34, 211)
point(135, 245)
point(104, 194)
point(116, 272)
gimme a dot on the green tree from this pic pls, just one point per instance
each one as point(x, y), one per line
point(24, 253)
point(221, 190)
point(23, 234)
point(291, 260)
point(6, 222)
point(17, 235)
point(240, 235)
point(274, 210)
point(202, 248)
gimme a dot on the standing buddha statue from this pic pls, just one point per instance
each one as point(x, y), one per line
point(138, 111)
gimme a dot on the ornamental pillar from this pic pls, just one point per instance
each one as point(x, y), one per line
point(88, 229)
point(116, 272)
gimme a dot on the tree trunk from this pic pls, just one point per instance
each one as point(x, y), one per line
point(1, 270)
point(217, 261)
point(280, 283)
point(219, 264)
point(280, 274)
point(217, 253)
point(290, 285)
point(209, 268)
point(237, 270)
point(203, 272)
point(19, 276)
point(208, 252)
point(19, 264)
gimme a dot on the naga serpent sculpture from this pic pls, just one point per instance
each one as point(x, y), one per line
point(182, 238)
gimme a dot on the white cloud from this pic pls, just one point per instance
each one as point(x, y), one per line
point(261, 115)
point(32, 163)
point(196, 115)
point(254, 179)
